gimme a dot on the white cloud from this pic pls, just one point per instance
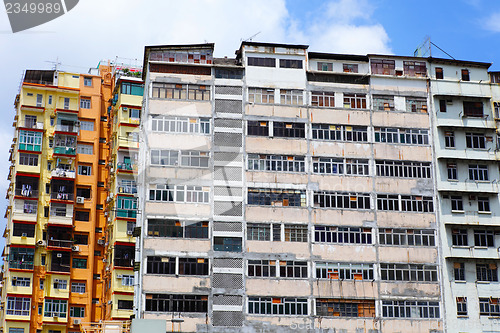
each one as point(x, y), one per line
point(492, 23)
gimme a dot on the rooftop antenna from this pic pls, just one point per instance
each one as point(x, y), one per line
point(249, 39)
point(54, 63)
point(425, 49)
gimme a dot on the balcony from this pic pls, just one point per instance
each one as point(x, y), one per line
point(62, 196)
point(64, 144)
point(127, 189)
point(126, 166)
point(127, 213)
point(60, 261)
point(124, 256)
point(67, 128)
point(60, 243)
point(62, 190)
point(30, 124)
point(62, 173)
point(65, 150)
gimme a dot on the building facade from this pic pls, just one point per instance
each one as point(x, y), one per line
point(286, 189)
point(52, 262)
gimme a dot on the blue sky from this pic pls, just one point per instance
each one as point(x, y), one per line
point(99, 30)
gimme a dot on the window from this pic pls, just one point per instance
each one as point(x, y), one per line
point(276, 197)
point(383, 103)
point(161, 265)
point(342, 235)
point(408, 272)
point(452, 171)
point(30, 141)
point(459, 271)
point(340, 133)
point(442, 105)
point(489, 307)
point(81, 239)
point(473, 109)
point(293, 269)
point(411, 136)
point(84, 170)
point(82, 215)
point(350, 68)
point(78, 287)
point(439, 73)
point(486, 272)
point(165, 157)
point(327, 165)
point(296, 233)
point(277, 305)
point(87, 149)
point(403, 169)
point(342, 200)
point(16, 330)
point(478, 172)
point(18, 281)
point(77, 311)
point(383, 67)
point(415, 203)
point(79, 263)
point(60, 284)
point(483, 204)
point(459, 237)
point(23, 229)
point(260, 128)
point(329, 307)
point(193, 266)
point(323, 99)
point(261, 95)
point(416, 104)
point(39, 100)
point(354, 101)
point(389, 202)
point(291, 97)
point(28, 159)
point(18, 306)
point(407, 237)
point(261, 268)
point(30, 207)
point(66, 103)
point(475, 140)
point(465, 75)
point(178, 193)
point(449, 139)
point(129, 88)
point(258, 232)
point(83, 192)
point(414, 68)
point(21, 257)
point(276, 163)
point(127, 280)
point(225, 73)
point(194, 158)
point(484, 238)
point(325, 66)
point(178, 229)
point(176, 303)
point(87, 81)
point(181, 91)
point(86, 125)
point(180, 125)
point(496, 109)
point(55, 308)
point(344, 271)
point(261, 62)
point(125, 304)
point(289, 130)
point(457, 203)
point(227, 244)
point(410, 309)
point(84, 103)
point(290, 63)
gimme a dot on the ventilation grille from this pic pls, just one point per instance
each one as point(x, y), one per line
point(227, 300)
point(228, 123)
point(228, 90)
point(227, 281)
point(229, 208)
point(227, 139)
point(228, 191)
point(228, 106)
point(227, 318)
point(227, 263)
point(227, 157)
point(227, 226)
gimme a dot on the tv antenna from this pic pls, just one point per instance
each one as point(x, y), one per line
point(425, 49)
point(249, 39)
point(54, 63)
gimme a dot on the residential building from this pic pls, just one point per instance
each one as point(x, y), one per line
point(52, 261)
point(286, 189)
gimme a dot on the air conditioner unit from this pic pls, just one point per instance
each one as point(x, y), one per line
point(100, 241)
point(107, 269)
point(104, 260)
point(59, 255)
point(129, 232)
point(76, 248)
point(41, 243)
point(119, 276)
point(77, 321)
point(24, 235)
point(80, 200)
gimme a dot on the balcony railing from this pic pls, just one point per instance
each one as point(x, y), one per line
point(67, 128)
point(31, 124)
point(63, 173)
point(65, 150)
point(18, 264)
point(130, 213)
point(124, 262)
point(60, 243)
point(127, 166)
point(62, 196)
point(26, 192)
point(127, 189)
